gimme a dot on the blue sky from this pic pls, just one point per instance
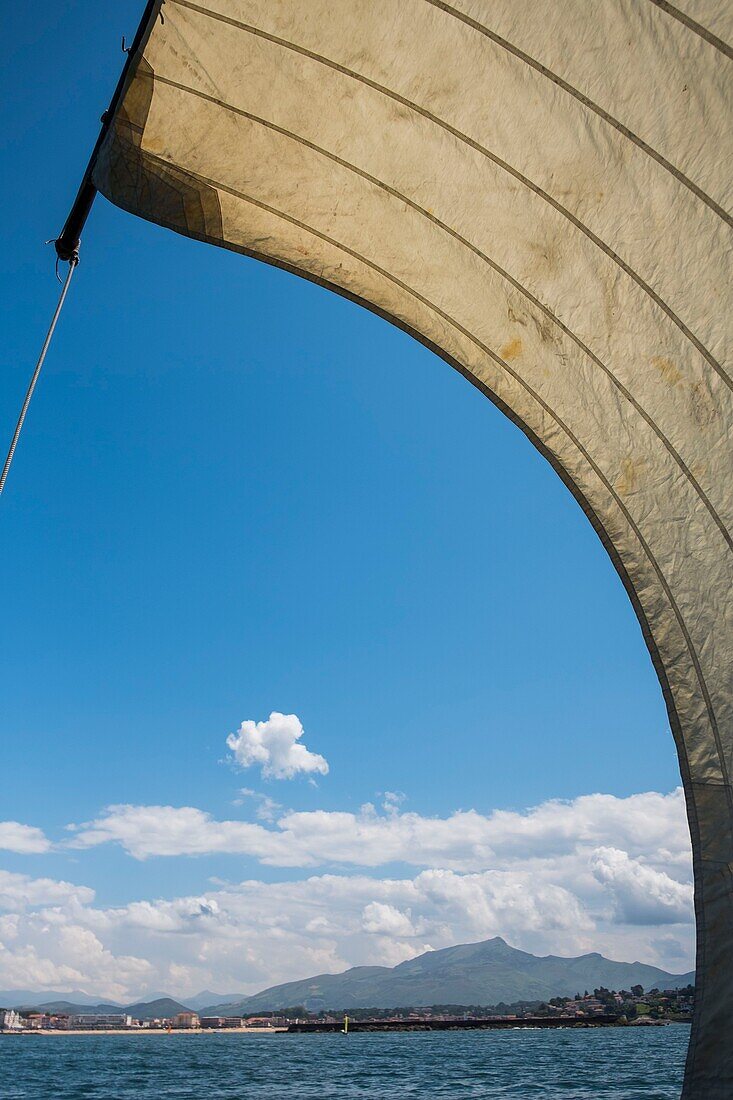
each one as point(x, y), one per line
point(237, 493)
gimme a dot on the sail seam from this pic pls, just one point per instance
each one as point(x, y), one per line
point(587, 102)
point(696, 28)
point(492, 264)
point(535, 188)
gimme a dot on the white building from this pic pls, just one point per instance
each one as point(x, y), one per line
point(10, 1020)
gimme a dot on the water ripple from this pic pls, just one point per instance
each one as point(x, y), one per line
point(608, 1064)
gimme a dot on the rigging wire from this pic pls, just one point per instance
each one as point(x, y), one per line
point(73, 261)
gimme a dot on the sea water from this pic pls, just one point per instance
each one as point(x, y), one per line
point(619, 1063)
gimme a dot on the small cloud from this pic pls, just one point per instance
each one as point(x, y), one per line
point(275, 746)
point(23, 839)
point(266, 808)
point(392, 800)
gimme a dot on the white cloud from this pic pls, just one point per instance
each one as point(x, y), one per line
point(24, 839)
point(392, 800)
point(642, 895)
point(48, 940)
point(650, 826)
point(504, 900)
point(386, 920)
point(181, 915)
point(67, 955)
point(145, 831)
point(18, 892)
point(276, 747)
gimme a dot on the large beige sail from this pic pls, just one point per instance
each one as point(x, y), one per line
point(540, 191)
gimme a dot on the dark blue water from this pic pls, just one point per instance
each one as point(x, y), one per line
point(625, 1064)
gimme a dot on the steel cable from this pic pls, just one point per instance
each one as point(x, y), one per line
point(73, 261)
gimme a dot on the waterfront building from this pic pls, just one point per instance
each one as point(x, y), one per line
point(187, 1020)
point(10, 1020)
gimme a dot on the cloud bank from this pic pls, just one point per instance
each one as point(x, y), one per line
point(598, 873)
point(248, 935)
point(650, 826)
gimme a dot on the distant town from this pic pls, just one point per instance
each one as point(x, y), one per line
point(603, 1006)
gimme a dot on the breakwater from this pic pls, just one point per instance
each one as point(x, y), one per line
point(462, 1024)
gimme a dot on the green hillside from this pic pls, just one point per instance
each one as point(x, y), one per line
point(483, 973)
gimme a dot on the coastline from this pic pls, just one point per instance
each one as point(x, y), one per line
point(358, 1027)
point(144, 1031)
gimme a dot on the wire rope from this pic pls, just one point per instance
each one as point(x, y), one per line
point(73, 261)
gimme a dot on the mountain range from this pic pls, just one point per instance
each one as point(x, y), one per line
point(158, 1008)
point(486, 973)
point(52, 1000)
point(28, 998)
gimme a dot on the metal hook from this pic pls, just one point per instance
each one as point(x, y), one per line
point(53, 241)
